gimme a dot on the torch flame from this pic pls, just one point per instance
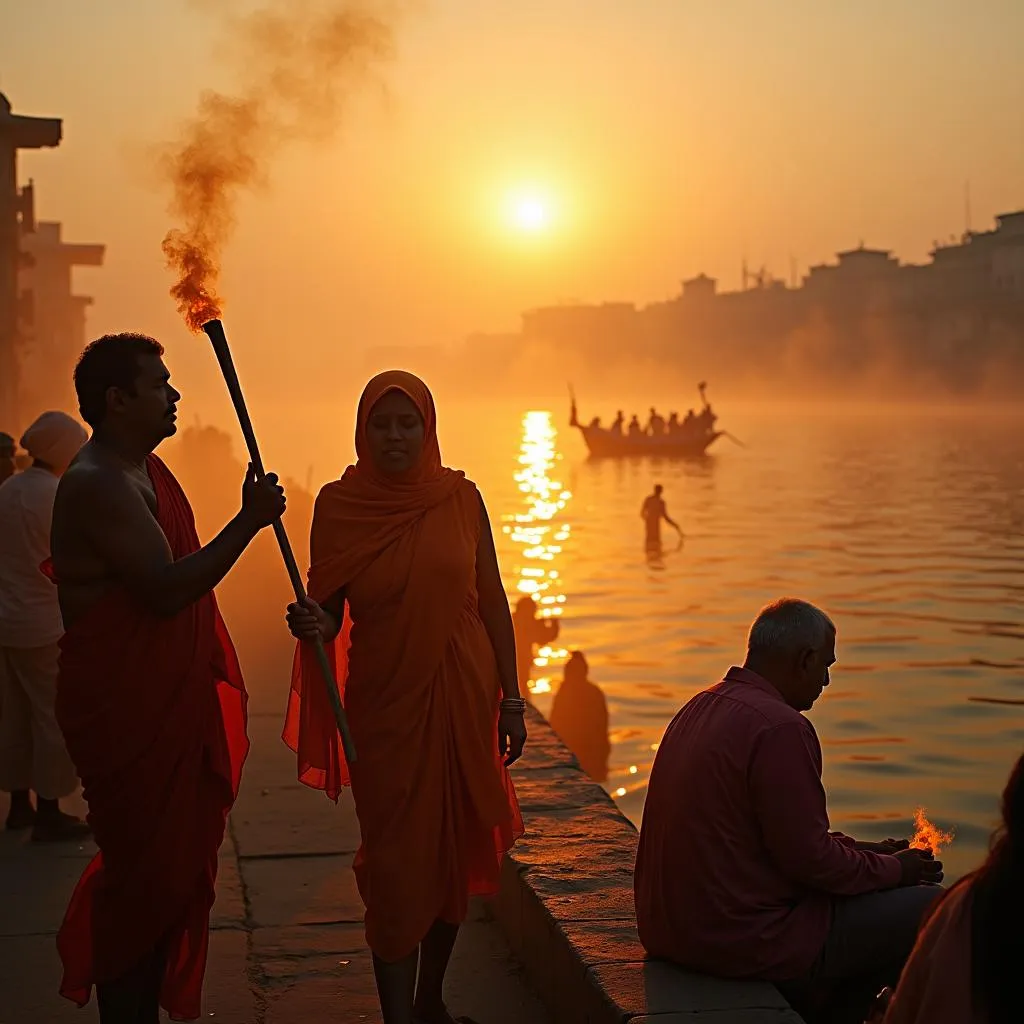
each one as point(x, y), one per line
point(928, 836)
point(194, 292)
point(298, 59)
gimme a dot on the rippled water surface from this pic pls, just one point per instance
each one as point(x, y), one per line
point(907, 530)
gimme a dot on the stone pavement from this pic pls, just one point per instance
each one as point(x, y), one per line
point(287, 942)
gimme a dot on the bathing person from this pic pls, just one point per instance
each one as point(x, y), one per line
point(654, 511)
point(531, 631)
point(579, 714)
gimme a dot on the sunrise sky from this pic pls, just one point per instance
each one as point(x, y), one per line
point(517, 154)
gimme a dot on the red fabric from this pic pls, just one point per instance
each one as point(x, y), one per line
point(436, 806)
point(153, 711)
point(736, 866)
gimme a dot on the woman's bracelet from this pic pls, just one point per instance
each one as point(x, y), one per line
point(512, 706)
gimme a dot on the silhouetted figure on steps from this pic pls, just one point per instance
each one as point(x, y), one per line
point(579, 714)
point(531, 631)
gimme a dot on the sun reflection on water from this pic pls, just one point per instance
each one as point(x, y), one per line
point(540, 531)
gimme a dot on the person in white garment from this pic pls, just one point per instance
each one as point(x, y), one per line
point(33, 758)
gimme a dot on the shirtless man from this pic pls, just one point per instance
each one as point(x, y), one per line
point(150, 698)
point(653, 512)
point(105, 527)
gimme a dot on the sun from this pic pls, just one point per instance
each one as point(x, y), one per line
point(528, 212)
point(531, 214)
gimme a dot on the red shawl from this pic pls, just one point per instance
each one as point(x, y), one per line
point(153, 713)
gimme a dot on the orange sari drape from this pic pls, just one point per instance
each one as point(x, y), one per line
point(417, 671)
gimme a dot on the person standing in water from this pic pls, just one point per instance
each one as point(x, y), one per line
point(405, 590)
point(653, 512)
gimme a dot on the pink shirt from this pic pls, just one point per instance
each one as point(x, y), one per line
point(736, 864)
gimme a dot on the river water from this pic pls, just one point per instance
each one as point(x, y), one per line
point(907, 530)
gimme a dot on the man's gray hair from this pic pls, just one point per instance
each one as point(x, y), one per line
point(790, 624)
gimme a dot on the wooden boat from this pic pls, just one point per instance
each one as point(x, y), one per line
point(604, 444)
point(687, 443)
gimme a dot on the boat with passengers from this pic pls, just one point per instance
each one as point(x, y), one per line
point(688, 438)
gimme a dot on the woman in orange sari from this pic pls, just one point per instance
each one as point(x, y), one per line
point(404, 588)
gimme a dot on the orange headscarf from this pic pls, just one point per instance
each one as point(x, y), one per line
point(418, 673)
point(370, 509)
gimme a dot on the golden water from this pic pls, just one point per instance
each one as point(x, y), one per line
point(906, 530)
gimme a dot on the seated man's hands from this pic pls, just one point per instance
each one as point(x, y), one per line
point(885, 846)
point(919, 867)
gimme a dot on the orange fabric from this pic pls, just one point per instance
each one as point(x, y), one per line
point(935, 986)
point(417, 671)
point(153, 711)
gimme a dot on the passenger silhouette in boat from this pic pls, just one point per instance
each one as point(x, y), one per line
point(653, 512)
point(656, 423)
point(531, 631)
point(595, 423)
point(618, 422)
point(707, 418)
point(579, 714)
point(673, 424)
point(635, 430)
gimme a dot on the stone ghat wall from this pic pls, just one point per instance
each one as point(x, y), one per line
point(566, 907)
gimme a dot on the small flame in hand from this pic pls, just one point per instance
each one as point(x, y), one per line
point(928, 836)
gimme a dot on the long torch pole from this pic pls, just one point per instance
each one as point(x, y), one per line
point(214, 330)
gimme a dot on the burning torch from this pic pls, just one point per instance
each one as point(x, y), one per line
point(214, 330)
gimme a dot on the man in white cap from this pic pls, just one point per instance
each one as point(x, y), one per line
point(32, 752)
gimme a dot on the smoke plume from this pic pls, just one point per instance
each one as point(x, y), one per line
point(298, 61)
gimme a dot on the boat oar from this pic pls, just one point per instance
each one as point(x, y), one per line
point(733, 438)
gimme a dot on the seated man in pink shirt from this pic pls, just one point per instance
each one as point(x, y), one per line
point(737, 873)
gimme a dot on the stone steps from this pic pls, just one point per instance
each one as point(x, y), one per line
point(566, 908)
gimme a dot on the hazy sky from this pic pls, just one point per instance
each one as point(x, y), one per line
point(664, 137)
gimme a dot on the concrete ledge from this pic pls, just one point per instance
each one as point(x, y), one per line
point(566, 907)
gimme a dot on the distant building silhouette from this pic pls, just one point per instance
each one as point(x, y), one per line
point(17, 216)
point(946, 316)
point(54, 324)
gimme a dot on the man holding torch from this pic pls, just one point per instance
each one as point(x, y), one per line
point(150, 696)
